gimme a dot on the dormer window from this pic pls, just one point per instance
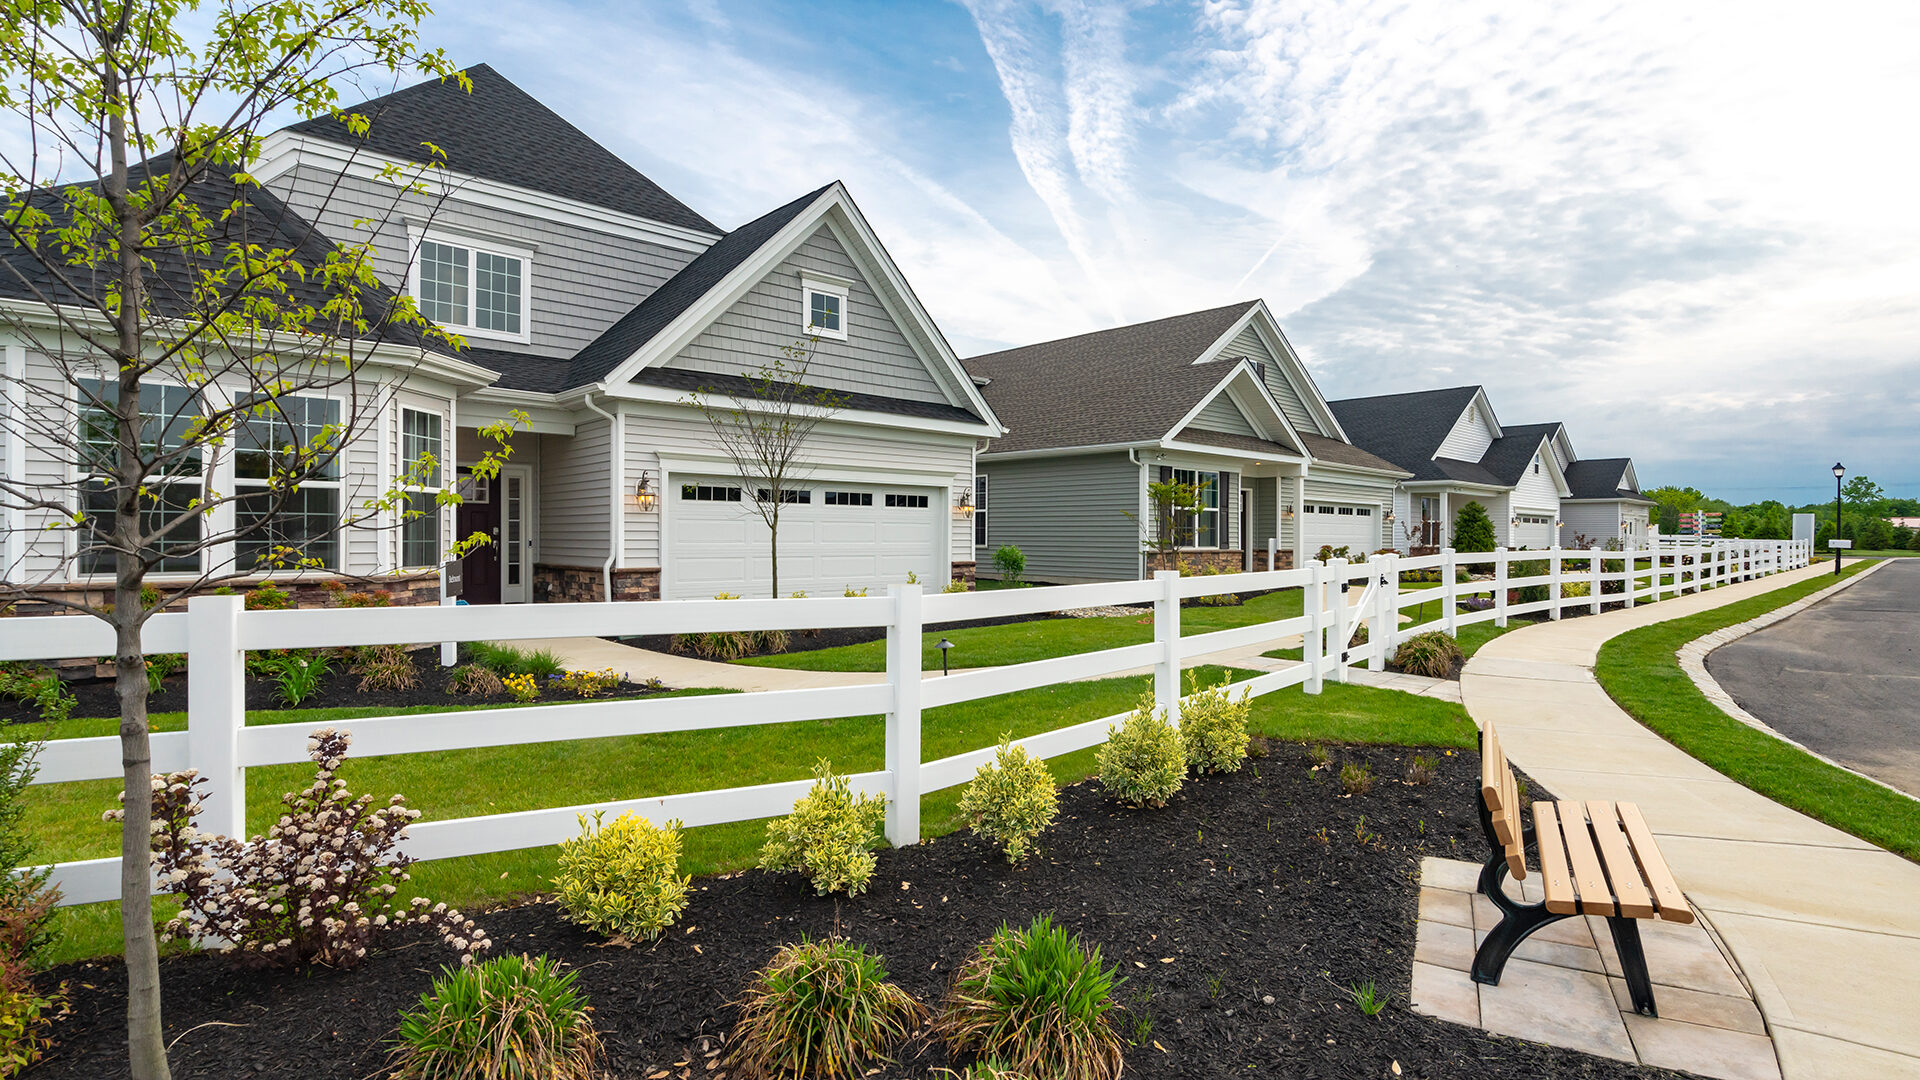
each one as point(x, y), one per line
point(823, 306)
point(473, 289)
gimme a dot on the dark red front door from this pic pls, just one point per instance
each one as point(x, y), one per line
point(481, 568)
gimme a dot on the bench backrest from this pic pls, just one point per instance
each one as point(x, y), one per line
point(1500, 795)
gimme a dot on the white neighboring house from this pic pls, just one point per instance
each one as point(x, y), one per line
point(595, 302)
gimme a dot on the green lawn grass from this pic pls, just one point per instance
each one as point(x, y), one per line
point(1640, 671)
point(1041, 639)
point(64, 819)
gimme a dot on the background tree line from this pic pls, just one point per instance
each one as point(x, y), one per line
point(1865, 511)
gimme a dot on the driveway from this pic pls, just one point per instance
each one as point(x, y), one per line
point(1843, 676)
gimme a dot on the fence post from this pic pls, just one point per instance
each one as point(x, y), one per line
point(1313, 644)
point(1449, 590)
point(217, 710)
point(1593, 593)
point(1166, 634)
point(1342, 630)
point(903, 720)
point(1386, 609)
point(1553, 581)
point(1500, 587)
point(1633, 572)
point(449, 650)
point(1273, 552)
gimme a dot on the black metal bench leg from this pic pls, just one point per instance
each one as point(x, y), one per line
point(1633, 963)
point(1517, 921)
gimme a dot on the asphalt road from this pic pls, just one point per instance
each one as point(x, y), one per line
point(1843, 676)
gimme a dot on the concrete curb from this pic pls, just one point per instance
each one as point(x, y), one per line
point(1693, 660)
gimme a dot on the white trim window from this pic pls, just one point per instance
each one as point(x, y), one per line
point(980, 510)
point(823, 307)
point(282, 526)
point(165, 414)
point(421, 441)
point(477, 289)
point(1203, 526)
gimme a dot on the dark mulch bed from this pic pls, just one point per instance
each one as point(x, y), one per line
point(339, 689)
point(1240, 914)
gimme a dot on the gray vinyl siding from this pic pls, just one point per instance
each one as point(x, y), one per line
point(876, 358)
point(1597, 521)
point(1222, 415)
point(581, 280)
point(1075, 517)
point(574, 487)
point(1291, 398)
point(1266, 511)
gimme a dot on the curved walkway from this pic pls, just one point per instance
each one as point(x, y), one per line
point(1825, 926)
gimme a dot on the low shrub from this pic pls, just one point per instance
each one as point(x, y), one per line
point(37, 687)
point(1356, 779)
point(1432, 654)
point(1011, 562)
point(829, 836)
point(1569, 589)
point(622, 880)
point(1328, 553)
point(853, 592)
point(957, 585)
point(297, 675)
point(1011, 799)
point(510, 1018)
point(589, 684)
point(269, 597)
point(316, 889)
point(523, 688)
point(821, 1009)
point(722, 645)
point(1143, 761)
point(27, 1014)
point(1319, 755)
point(1420, 769)
point(472, 680)
point(26, 1023)
point(386, 669)
point(1213, 726)
point(1036, 1000)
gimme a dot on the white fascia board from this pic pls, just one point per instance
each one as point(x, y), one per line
point(282, 150)
point(492, 405)
point(1226, 453)
point(1392, 476)
point(681, 461)
point(1453, 486)
point(988, 457)
point(637, 392)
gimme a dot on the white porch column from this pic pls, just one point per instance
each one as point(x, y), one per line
point(1299, 521)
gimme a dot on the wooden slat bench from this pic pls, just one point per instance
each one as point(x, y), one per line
point(1596, 858)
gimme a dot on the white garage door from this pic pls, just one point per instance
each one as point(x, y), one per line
point(1533, 531)
point(1356, 528)
point(831, 536)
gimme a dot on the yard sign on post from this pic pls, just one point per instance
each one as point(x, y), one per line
point(903, 720)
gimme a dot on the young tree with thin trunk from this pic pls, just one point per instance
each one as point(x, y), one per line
point(763, 426)
point(178, 316)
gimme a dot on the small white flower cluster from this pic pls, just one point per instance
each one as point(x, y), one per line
point(314, 889)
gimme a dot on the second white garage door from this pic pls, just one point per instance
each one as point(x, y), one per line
point(832, 536)
point(1532, 531)
point(1356, 528)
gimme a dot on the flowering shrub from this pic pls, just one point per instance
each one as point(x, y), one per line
point(1213, 727)
point(623, 879)
point(588, 684)
point(315, 890)
point(1143, 762)
point(1011, 799)
point(522, 687)
point(828, 835)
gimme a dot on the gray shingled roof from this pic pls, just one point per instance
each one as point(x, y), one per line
point(1510, 454)
point(1407, 429)
point(1125, 385)
point(1603, 478)
point(1339, 453)
point(501, 132)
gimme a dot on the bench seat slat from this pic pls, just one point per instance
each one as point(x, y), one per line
point(1666, 891)
point(1623, 871)
point(1595, 897)
point(1554, 878)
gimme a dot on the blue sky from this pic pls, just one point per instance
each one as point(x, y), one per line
point(1690, 231)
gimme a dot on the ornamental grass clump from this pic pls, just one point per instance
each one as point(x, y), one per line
point(821, 1009)
point(1011, 799)
point(1036, 1002)
point(510, 1018)
point(316, 889)
point(1143, 762)
point(622, 880)
point(1213, 726)
point(829, 836)
point(1432, 654)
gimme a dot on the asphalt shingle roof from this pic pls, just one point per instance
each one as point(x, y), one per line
point(1339, 453)
point(1407, 429)
point(1603, 478)
point(1510, 454)
point(1128, 384)
point(501, 132)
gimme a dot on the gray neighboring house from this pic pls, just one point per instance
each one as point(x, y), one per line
point(1606, 504)
point(1217, 398)
point(1457, 451)
point(594, 302)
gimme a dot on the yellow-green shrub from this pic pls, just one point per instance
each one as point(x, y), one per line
point(1213, 727)
point(1570, 589)
point(622, 880)
point(1143, 762)
point(1011, 798)
point(828, 836)
point(26, 1025)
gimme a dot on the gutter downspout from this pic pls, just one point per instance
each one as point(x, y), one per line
point(1146, 520)
point(616, 470)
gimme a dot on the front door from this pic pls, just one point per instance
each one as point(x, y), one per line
point(479, 512)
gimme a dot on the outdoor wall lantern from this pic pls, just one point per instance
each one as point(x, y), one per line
point(943, 647)
point(963, 503)
point(1287, 511)
point(1389, 518)
point(645, 495)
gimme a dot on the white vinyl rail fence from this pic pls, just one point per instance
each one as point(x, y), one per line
point(216, 632)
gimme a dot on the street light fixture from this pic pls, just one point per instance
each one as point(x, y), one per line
point(1839, 471)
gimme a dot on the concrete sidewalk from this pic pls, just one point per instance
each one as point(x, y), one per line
point(1825, 926)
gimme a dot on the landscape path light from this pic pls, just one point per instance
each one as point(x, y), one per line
point(943, 647)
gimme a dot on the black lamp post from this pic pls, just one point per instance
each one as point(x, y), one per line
point(1839, 471)
point(943, 647)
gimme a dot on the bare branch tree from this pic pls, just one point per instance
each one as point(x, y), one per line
point(764, 427)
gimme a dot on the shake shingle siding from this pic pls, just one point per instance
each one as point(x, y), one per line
point(875, 359)
point(1066, 514)
point(582, 281)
